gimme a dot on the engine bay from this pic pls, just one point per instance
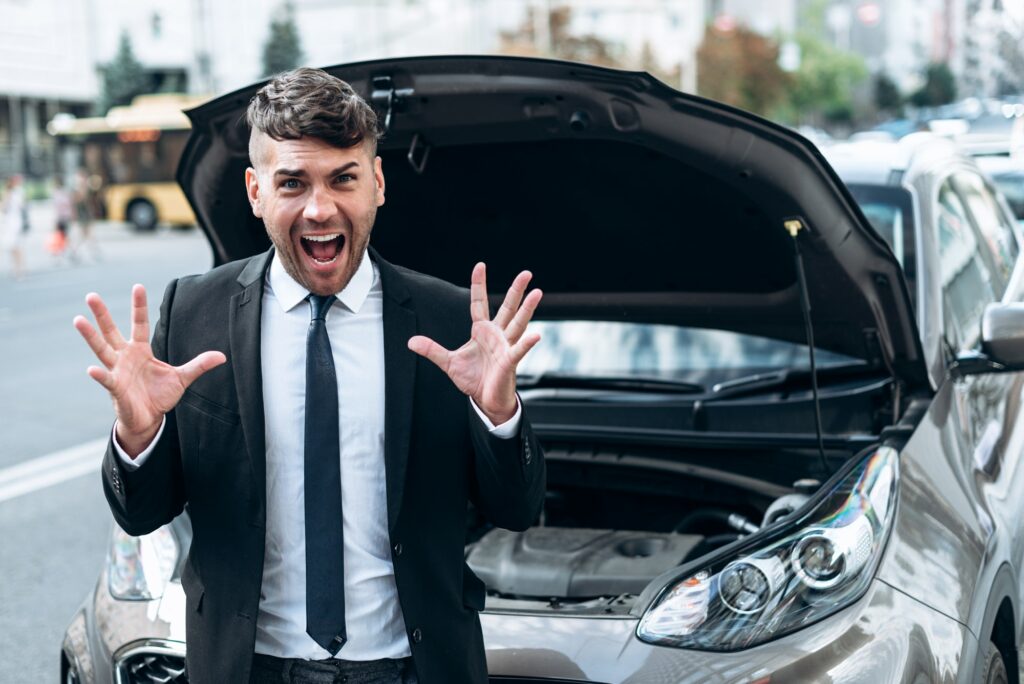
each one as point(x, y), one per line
point(613, 521)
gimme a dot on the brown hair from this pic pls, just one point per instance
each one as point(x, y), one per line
point(310, 102)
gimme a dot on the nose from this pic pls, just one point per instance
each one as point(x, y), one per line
point(319, 207)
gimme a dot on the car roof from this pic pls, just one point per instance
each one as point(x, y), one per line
point(884, 162)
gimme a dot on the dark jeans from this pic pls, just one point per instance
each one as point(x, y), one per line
point(271, 670)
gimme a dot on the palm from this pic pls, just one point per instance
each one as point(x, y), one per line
point(142, 387)
point(484, 368)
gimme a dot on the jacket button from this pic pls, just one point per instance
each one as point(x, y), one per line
point(398, 549)
point(417, 635)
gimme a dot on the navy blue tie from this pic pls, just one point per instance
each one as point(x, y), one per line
point(325, 555)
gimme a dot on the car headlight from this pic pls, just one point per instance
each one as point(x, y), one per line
point(787, 579)
point(138, 568)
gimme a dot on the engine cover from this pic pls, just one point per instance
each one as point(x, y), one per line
point(562, 562)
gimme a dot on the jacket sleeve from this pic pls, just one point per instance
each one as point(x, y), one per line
point(144, 498)
point(509, 474)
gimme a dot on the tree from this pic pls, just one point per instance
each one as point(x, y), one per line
point(887, 94)
point(561, 42)
point(283, 49)
point(825, 82)
point(939, 86)
point(741, 67)
point(123, 78)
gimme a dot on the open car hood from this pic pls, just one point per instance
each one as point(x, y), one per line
point(627, 199)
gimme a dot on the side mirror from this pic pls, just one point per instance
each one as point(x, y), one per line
point(1002, 334)
point(1002, 342)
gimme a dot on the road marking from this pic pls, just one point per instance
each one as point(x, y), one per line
point(51, 469)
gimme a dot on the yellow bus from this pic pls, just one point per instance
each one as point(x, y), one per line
point(133, 153)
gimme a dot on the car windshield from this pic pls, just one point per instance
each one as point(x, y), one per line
point(614, 348)
point(890, 211)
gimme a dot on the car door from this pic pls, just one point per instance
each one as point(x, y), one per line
point(979, 263)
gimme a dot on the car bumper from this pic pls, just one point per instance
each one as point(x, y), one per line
point(885, 637)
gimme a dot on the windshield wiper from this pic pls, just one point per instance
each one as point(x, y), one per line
point(759, 382)
point(626, 383)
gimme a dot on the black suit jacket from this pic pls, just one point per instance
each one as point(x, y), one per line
point(211, 458)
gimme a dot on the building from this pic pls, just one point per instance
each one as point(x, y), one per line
point(46, 67)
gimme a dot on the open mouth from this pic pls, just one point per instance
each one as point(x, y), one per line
point(323, 249)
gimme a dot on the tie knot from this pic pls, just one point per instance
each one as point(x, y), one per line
point(319, 305)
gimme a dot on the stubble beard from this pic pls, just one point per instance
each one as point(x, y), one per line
point(291, 261)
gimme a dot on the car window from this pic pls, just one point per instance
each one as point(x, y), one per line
point(601, 348)
point(1011, 184)
point(966, 281)
point(996, 230)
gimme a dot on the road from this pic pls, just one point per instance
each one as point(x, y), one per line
point(54, 522)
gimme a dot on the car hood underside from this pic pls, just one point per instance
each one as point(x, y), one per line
point(627, 199)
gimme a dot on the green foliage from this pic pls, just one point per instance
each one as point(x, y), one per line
point(887, 94)
point(283, 49)
point(123, 78)
point(939, 86)
point(741, 68)
point(825, 81)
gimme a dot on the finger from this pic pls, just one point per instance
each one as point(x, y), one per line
point(513, 298)
point(103, 319)
point(102, 376)
point(478, 294)
point(517, 326)
point(140, 315)
point(190, 372)
point(100, 348)
point(429, 349)
point(520, 348)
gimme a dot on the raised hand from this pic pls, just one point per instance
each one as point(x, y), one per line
point(142, 387)
point(485, 367)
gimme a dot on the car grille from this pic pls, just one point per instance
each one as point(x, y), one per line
point(152, 668)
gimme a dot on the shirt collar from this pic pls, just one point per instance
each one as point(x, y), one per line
point(289, 293)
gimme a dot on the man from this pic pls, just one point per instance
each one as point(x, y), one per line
point(274, 382)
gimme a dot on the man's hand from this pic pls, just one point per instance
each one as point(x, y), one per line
point(143, 388)
point(485, 367)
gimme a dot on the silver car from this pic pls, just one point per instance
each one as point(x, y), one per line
point(780, 411)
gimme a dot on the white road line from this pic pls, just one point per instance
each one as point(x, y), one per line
point(51, 469)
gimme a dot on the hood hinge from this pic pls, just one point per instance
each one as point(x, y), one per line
point(387, 99)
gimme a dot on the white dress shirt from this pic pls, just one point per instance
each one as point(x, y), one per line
point(373, 617)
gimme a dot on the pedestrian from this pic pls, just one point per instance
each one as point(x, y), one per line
point(326, 467)
point(86, 205)
point(63, 209)
point(14, 223)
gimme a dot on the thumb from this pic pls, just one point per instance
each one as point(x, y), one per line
point(429, 349)
point(191, 371)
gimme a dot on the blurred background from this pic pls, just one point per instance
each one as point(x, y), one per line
point(91, 129)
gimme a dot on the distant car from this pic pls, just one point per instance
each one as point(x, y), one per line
point(722, 506)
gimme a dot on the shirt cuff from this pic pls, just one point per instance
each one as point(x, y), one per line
point(137, 462)
point(506, 430)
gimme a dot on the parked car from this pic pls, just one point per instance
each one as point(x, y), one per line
point(781, 413)
point(1008, 175)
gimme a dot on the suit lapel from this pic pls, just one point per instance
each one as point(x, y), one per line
point(244, 337)
point(399, 381)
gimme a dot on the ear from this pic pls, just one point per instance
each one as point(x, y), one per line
point(252, 189)
point(378, 176)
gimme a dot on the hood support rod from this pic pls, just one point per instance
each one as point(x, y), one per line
point(794, 226)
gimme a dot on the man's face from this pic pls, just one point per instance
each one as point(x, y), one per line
point(318, 203)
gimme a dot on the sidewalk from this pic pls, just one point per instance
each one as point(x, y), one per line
point(109, 237)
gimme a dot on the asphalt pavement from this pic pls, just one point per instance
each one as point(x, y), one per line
point(54, 522)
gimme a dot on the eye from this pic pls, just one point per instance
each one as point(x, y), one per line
point(290, 184)
point(345, 178)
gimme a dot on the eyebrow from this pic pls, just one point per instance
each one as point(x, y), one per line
point(300, 173)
